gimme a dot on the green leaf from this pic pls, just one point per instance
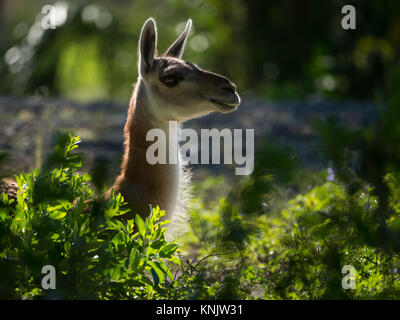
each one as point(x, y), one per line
point(175, 260)
point(134, 259)
point(58, 215)
point(4, 198)
point(157, 244)
point(165, 269)
point(158, 274)
point(140, 225)
point(59, 211)
point(168, 250)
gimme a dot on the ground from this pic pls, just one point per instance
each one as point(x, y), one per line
point(27, 123)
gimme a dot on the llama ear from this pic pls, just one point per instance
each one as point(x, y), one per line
point(176, 49)
point(147, 46)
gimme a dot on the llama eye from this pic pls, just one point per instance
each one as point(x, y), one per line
point(172, 80)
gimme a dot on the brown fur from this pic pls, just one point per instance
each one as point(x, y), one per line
point(140, 183)
point(9, 187)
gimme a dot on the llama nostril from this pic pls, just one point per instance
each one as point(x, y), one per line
point(229, 88)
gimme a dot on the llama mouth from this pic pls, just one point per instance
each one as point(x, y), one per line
point(224, 107)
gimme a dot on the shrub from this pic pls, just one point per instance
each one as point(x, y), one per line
point(58, 220)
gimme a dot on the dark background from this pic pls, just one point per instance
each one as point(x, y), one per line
point(289, 49)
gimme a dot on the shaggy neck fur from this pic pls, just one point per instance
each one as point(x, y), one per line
point(141, 183)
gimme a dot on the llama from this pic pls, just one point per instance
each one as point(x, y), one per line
point(168, 89)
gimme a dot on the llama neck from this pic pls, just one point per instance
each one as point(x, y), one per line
point(141, 182)
point(142, 118)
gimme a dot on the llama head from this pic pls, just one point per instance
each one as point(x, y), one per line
point(177, 89)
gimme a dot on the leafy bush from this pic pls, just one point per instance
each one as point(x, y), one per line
point(297, 251)
point(287, 233)
point(58, 220)
point(281, 233)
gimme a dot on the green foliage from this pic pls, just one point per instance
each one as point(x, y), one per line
point(286, 234)
point(281, 233)
point(278, 234)
point(58, 220)
point(93, 55)
point(298, 251)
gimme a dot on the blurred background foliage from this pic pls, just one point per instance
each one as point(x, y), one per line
point(286, 231)
point(274, 49)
